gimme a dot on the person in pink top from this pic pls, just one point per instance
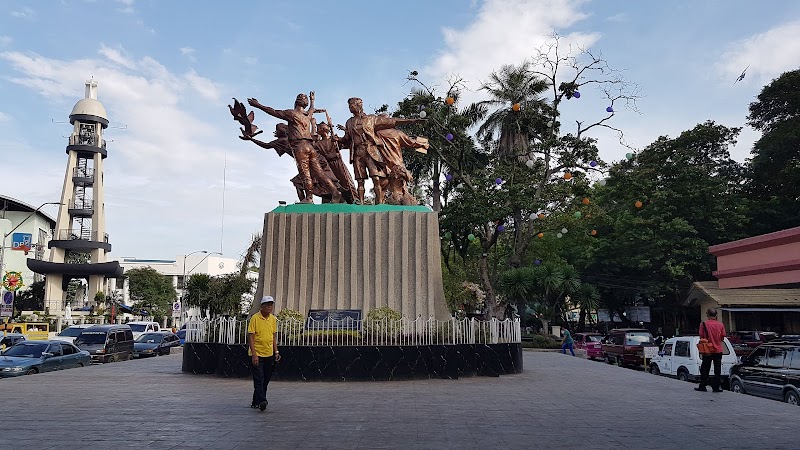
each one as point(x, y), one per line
point(714, 331)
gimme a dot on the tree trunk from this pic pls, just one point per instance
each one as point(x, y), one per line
point(520, 241)
point(491, 305)
point(436, 191)
point(582, 320)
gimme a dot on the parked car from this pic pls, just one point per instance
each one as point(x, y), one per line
point(591, 343)
point(680, 359)
point(107, 343)
point(155, 344)
point(70, 333)
point(745, 341)
point(771, 370)
point(141, 327)
point(625, 346)
point(10, 339)
point(30, 357)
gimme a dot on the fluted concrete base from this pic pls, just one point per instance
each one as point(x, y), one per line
point(353, 257)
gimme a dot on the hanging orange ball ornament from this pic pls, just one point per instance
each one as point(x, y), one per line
point(567, 176)
point(540, 235)
point(541, 215)
point(638, 204)
point(515, 107)
point(594, 232)
point(450, 101)
point(585, 201)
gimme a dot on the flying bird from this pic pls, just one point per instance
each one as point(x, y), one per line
point(239, 113)
point(741, 77)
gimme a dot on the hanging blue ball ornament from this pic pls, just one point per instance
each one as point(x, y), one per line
point(537, 262)
point(629, 155)
point(448, 177)
point(576, 94)
point(592, 163)
point(501, 228)
point(449, 136)
point(498, 181)
point(609, 109)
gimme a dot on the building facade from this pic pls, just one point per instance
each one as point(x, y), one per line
point(29, 222)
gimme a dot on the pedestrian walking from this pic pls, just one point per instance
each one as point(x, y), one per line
point(263, 350)
point(713, 331)
point(567, 343)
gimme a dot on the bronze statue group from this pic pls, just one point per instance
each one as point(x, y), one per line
point(375, 151)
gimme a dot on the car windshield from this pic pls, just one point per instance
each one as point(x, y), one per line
point(152, 338)
point(71, 332)
point(592, 338)
point(91, 337)
point(137, 327)
point(637, 338)
point(27, 350)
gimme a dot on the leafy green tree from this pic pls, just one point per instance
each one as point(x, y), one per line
point(662, 210)
point(151, 291)
point(774, 169)
point(219, 296)
point(198, 290)
point(31, 299)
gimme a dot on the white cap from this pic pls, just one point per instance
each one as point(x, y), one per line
point(267, 299)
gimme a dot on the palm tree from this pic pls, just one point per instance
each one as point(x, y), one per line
point(518, 286)
point(507, 87)
point(588, 299)
point(251, 256)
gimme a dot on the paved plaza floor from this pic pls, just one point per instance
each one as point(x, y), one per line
point(557, 402)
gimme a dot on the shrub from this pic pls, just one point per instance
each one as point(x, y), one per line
point(289, 315)
point(541, 341)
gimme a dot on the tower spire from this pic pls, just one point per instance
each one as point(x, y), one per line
point(91, 89)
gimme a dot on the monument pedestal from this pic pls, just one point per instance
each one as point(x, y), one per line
point(340, 256)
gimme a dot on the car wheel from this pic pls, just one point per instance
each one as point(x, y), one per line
point(792, 398)
point(608, 359)
point(683, 375)
point(620, 361)
point(654, 369)
point(79, 365)
point(737, 387)
point(130, 357)
point(31, 372)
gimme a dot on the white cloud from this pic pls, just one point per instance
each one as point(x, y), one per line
point(619, 17)
point(250, 60)
point(768, 54)
point(504, 32)
point(116, 55)
point(188, 52)
point(203, 86)
point(163, 176)
point(127, 7)
point(5, 41)
point(23, 13)
point(4, 117)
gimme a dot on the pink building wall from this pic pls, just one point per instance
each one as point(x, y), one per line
point(764, 260)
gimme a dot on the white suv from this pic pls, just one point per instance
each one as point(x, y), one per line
point(142, 327)
point(70, 333)
point(680, 359)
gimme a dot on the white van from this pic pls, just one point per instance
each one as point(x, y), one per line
point(680, 359)
point(141, 327)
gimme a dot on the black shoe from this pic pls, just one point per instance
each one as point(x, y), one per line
point(716, 390)
point(263, 405)
point(700, 389)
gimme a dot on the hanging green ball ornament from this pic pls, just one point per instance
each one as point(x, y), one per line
point(447, 235)
point(578, 214)
point(471, 237)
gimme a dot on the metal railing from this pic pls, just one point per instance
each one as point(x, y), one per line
point(410, 332)
point(82, 172)
point(81, 140)
point(82, 204)
point(86, 235)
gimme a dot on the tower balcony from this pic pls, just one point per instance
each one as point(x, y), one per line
point(86, 148)
point(79, 240)
point(83, 176)
point(81, 208)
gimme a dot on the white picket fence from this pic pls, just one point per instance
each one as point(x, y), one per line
point(362, 332)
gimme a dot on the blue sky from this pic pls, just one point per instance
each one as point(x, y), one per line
point(167, 70)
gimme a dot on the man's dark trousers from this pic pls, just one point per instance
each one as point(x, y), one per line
point(705, 368)
point(261, 376)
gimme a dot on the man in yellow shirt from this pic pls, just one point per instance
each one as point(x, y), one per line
point(263, 350)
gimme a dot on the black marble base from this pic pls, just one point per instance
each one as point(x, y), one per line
point(361, 363)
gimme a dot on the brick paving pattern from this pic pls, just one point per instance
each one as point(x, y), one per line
point(558, 402)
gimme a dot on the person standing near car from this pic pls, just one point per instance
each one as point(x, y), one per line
point(263, 350)
point(567, 343)
point(714, 332)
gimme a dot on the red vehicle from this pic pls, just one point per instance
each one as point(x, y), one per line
point(590, 342)
point(625, 346)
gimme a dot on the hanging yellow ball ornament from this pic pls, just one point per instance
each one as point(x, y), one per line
point(515, 107)
point(450, 101)
point(540, 235)
point(638, 204)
